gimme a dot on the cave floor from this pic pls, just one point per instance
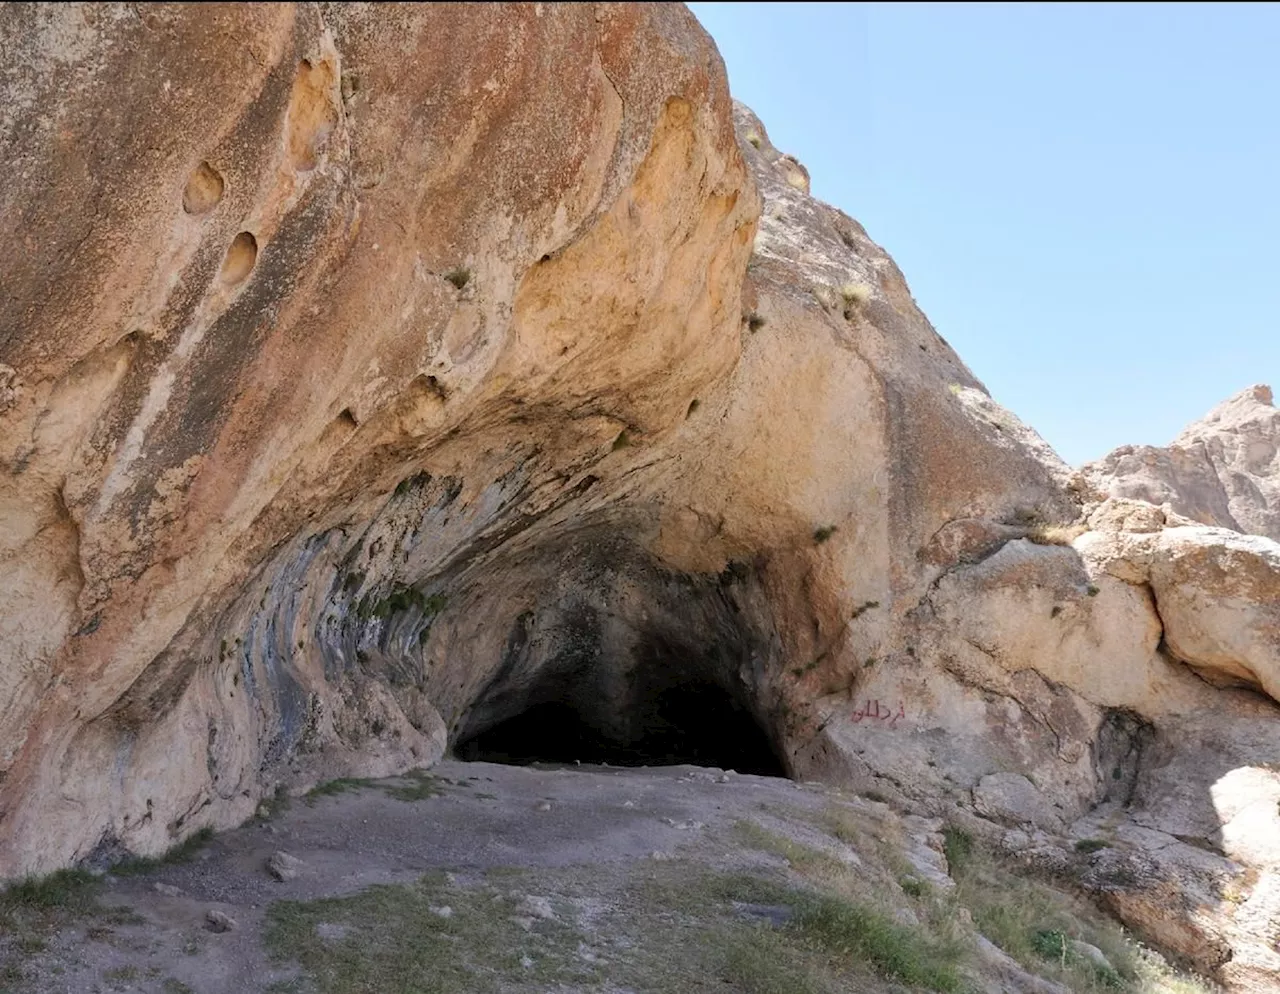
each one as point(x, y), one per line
point(482, 877)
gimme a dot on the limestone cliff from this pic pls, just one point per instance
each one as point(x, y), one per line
point(373, 376)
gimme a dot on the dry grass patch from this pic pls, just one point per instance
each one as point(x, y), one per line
point(1036, 924)
point(1056, 534)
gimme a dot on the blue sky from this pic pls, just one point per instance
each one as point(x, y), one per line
point(1084, 199)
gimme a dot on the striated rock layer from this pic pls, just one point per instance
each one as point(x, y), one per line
point(373, 377)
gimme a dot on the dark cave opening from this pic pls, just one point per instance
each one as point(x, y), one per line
point(695, 723)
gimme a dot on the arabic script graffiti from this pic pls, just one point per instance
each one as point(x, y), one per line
point(871, 709)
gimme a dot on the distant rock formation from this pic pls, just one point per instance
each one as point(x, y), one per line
point(1222, 470)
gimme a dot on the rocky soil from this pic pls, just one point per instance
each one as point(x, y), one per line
point(481, 877)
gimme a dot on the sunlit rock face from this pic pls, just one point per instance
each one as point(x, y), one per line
point(1222, 470)
point(379, 382)
point(319, 354)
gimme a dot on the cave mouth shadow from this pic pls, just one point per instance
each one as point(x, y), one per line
point(692, 723)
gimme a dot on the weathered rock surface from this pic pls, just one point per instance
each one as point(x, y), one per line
point(389, 396)
point(1222, 470)
point(284, 368)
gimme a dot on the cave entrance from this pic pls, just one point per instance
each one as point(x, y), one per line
point(696, 723)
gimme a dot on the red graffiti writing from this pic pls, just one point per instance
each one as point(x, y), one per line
point(871, 709)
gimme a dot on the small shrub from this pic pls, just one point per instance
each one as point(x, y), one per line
point(753, 139)
point(459, 277)
point(1091, 590)
point(755, 322)
point(622, 441)
point(855, 294)
point(1050, 944)
point(913, 886)
point(1057, 610)
point(820, 535)
point(1090, 845)
point(957, 845)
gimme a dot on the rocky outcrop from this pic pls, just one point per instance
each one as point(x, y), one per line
point(1222, 470)
point(401, 398)
point(307, 330)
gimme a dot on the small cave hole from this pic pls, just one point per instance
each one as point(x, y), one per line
point(240, 259)
point(204, 190)
point(694, 722)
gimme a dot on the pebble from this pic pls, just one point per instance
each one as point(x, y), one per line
point(542, 806)
point(444, 911)
point(168, 890)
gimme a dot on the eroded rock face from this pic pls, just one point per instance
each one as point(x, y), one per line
point(1222, 470)
point(309, 328)
point(396, 397)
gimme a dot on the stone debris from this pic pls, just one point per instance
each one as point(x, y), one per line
point(283, 866)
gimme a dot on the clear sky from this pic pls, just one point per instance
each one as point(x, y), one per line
point(1085, 199)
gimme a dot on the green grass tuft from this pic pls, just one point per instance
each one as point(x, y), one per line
point(332, 788)
point(64, 890)
point(957, 846)
point(858, 933)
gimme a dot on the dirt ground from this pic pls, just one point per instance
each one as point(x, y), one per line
point(482, 877)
